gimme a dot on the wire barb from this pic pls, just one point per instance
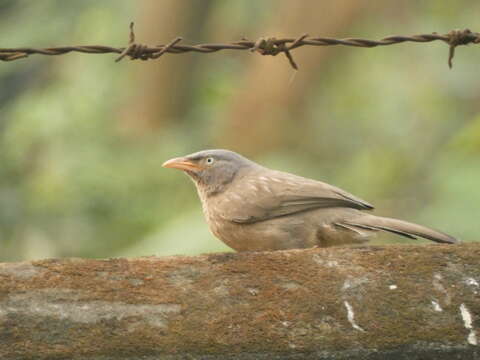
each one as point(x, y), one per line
point(264, 46)
point(134, 50)
point(460, 37)
point(271, 46)
point(293, 46)
point(12, 56)
point(166, 47)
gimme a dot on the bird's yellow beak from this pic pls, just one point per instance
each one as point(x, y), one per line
point(182, 164)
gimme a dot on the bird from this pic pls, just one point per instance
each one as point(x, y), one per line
point(253, 208)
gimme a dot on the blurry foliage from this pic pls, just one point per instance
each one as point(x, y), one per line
point(392, 125)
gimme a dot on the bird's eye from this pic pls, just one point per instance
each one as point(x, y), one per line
point(209, 160)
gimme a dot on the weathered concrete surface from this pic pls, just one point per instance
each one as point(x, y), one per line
point(395, 302)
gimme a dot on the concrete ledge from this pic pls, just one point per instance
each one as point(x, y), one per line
point(395, 302)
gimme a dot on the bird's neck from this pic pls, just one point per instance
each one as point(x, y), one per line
point(206, 191)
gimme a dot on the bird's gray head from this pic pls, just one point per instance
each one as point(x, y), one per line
point(211, 170)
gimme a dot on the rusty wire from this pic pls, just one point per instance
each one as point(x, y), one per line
point(264, 46)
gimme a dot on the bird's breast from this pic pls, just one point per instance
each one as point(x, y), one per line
point(214, 208)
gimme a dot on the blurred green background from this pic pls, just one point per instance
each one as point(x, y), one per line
point(83, 138)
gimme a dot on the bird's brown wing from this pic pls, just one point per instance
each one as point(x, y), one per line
point(267, 195)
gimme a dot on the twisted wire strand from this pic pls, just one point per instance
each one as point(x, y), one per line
point(264, 46)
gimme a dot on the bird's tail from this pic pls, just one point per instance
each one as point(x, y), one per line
point(399, 227)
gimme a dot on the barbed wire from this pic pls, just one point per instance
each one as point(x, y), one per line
point(264, 46)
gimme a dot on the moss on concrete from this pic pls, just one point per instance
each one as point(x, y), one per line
point(271, 305)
